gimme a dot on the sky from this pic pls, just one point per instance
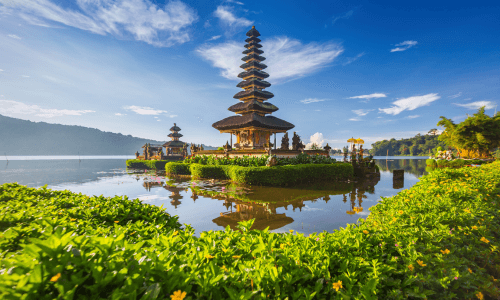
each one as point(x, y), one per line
point(338, 69)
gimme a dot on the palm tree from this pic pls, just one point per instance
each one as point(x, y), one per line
point(433, 131)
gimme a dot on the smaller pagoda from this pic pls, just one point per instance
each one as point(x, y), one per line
point(175, 147)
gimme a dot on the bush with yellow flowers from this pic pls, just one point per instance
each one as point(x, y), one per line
point(437, 240)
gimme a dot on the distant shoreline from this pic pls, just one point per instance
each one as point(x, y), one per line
point(64, 157)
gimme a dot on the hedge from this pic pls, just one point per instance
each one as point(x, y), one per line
point(177, 168)
point(437, 240)
point(146, 164)
point(456, 163)
point(275, 176)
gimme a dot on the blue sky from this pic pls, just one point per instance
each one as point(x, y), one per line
point(338, 69)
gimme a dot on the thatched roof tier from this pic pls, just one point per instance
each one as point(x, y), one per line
point(253, 64)
point(152, 146)
point(174, 144)
point(255, 82)
point(253, 92)
point(254, 56)
point(175, 134)
point(253, 39)
point(253, 50)
point(253, 105)
point(175, 128)
point(249, 46)
point(253, 120)
point(253, 32)
point(253, 72)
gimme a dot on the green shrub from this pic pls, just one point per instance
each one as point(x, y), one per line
point(146, 164)
point(437, 240)
point(290, 174)
point(259, 161)
point(441, 163)
point(177, 168)
point(431, 162)
point(208, 171)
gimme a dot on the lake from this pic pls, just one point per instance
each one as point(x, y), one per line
point(212, 204)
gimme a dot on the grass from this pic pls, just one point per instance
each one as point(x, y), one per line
point(437, 240)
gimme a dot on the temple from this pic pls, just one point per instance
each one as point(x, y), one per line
point(175, 147)
point(253, 126)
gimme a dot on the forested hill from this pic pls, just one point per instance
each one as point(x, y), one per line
point(417, 145)
point(21, 137)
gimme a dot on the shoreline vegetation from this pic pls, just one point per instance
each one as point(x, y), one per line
point(438, 239)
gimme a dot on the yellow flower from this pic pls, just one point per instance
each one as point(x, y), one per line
point(467, 211)
point(474, 227)
point(224, 268)
point(445, 251)
point(209, 256)
point(236, 256)
point(179, 295)
point(133, 233)
point(243, 238)
point(97, 206)
point(56, 277)
point(479, 295)
point(337, 285)
point(224, 250)
point(72, 220)
point(176, 232)
point(411, 267)
point(291, 230)
point(282, 246)
point(365, 232)
point(421, 263)
point(470, 271)
point(483, 239)
point(400, 212)
point(117, 221)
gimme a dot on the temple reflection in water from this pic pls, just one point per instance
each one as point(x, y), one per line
point(262, 203)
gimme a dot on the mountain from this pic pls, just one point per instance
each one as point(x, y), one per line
point(21, 137)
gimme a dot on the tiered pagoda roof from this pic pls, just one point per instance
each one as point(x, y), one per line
point(252, 109)
point(175, 135)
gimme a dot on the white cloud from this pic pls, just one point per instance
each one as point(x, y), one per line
point(346, 16)
point(227, 17)
point(455, 96)
point(25, 76)
point(173, 116)
point(317, 110)
point(286, 58)
point(352, 59)
point(1, 70)
point(413, 117)
point(139, 18)
point(236, 2)
point(119, 114)
point(311, 100)
point(362, 112)
point(14, 36)
point(467, 99)
point(12, 108)
point(144, 110)
point(317, 139)
point(410, 103)
point(476, 105)
point(354, 119)
point(405, 46)
point(368, 97)
point(215, 37)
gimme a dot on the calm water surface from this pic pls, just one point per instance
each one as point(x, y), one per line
point(213, 205)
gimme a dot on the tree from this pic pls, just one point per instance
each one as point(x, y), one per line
point(476, 136)
point(315, 146)
point(433, 131)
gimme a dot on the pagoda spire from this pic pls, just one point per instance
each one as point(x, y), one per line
point(253, 125)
